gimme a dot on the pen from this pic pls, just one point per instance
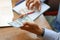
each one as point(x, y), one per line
point(26, 13)
point(30, 13)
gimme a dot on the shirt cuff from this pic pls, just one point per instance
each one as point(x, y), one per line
point(50, 35)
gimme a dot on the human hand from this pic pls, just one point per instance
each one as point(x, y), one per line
point(22, 15)
point(35, 3)
point(32, 27)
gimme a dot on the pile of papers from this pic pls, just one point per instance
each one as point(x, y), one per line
point(6, 14)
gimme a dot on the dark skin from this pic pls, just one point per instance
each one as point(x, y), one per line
point(32, 27)
point(35, 3)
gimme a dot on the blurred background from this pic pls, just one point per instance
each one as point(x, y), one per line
point(52, 13)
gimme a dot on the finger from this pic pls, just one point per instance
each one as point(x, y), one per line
point(28, 23)
point(27, 1)
point(37, 5)
point(22, 15)
point(28, 5)
point(26, 27)
point(32, 6)
point(39, 8)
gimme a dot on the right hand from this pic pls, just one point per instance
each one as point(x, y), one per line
point(35, 3)
point(32, 27)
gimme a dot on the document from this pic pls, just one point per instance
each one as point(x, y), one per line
point(21, 9)
point(6, 14)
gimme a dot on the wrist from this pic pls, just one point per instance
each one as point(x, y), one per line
point(41, 32)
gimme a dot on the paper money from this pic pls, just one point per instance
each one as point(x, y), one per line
point(19, 22)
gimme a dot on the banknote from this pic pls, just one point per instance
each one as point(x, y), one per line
point(19, 22)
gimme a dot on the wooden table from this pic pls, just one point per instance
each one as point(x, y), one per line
point(11, 33)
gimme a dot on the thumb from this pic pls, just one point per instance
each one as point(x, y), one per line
point(22, 15)
point(28, 23)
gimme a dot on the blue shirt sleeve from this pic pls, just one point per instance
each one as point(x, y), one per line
point(50, 35)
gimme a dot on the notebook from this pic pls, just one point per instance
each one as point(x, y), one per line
point(22, 9)
point(6, 14)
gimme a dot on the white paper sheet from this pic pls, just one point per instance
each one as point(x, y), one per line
point(44, 7)
point(21, 8)
point(6, 14)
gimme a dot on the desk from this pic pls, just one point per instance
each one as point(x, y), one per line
point(11, 33)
